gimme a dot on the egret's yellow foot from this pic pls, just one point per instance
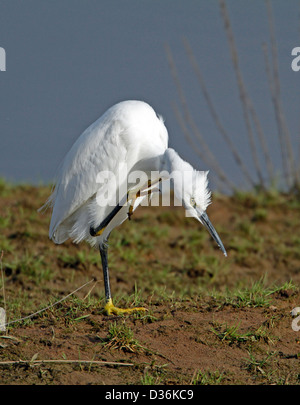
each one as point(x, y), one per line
point(133, 199)
point(130, 212)
point(110, 309)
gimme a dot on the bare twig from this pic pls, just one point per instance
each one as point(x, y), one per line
point(48, 307)
point(263, 142)
point(214, 113)
point(90, 290)
point(242, 89)
point(63, 361)
point(283, 132)
point(2, 310)
point(2, 279)
point(209, 157)
point(272, 91)
point(192, 143)
point(298, 157)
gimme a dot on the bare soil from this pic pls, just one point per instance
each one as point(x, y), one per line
point(183, 281)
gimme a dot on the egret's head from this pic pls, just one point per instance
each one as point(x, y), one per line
point(196, 197)
point(196, 194)
point(191, 187)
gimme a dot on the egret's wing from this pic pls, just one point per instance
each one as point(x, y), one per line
point(127, 133)
point(98, 149)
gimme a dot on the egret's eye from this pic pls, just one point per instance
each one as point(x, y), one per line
point(193, 202)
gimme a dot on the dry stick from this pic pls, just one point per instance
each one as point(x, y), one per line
point(89, 292)
point(193, 144)
point(275, 91)
point(298, 170)
point(214, 113)
point(2, 327)
point(272, 91)
point(49, 306)
point(209, 157)
point(242, 90)
point(263, 142)
point(183, 102)
point(2, 279)
point(284, 135)
point(34, 362)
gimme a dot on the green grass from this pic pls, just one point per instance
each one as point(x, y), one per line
point(208, 378)
point(259, 366)
point(6, 188)
point(230, 334)
point(150, 379)
point(259, 294)
point(170, 265)
point(121, 337)
point(34, 267)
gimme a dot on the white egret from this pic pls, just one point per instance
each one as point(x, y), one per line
point(128, 137)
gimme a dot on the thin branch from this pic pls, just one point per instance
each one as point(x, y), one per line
point(2, 310)
point(192, 143)
point(263, 141)
point(298, 157)
point(48, 307)
point(187, 116)
point(285, 142)
point(242, 90)
point(63, 361)
point(214, 113)
point(272, 91)
point(2, 279)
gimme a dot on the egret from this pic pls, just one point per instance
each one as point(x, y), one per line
point(127, 138)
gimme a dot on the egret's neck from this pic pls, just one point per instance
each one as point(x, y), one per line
point(178, 171)
point(172, 162)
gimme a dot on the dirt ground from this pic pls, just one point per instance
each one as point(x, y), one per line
point(209, 320)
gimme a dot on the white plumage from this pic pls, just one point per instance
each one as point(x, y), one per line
point(113, 141)
point(129, 137)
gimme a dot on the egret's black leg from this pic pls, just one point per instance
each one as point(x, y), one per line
point(109, 306)
point(97, 231)
point(104, 259)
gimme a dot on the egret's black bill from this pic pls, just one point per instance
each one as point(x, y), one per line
point(206, 222)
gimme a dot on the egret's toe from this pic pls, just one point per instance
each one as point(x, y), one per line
point(110, 309)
